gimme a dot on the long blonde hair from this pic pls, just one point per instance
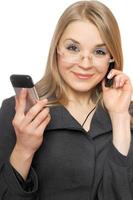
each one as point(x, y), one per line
point(51, 85)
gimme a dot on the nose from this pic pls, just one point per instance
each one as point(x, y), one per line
point(86, 62)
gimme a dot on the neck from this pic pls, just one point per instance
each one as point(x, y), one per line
point(79, 99)
point(81, 107)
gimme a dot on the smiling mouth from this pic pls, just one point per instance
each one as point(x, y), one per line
point(82, 76)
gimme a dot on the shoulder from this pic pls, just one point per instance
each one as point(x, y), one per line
point(7, 134)
point(7, 112)
point(7, 108)
point(131, 113)
point(8, 104)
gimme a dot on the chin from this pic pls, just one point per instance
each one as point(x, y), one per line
point(82, 89)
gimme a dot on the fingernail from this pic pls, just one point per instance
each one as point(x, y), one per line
point(45, 100)
point(109, 76)
point(23, 90)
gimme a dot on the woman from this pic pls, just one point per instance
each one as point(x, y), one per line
point(81, 147)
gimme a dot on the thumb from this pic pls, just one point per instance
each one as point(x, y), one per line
point(21, 101)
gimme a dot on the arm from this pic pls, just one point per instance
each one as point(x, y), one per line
point(117, 178)
point(118, 108)
point(21, 152)
point(121, 132)
point(29, 128)
point(9, 185)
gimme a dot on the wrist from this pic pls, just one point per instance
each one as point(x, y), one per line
point(121, 124)
point(22, 152)
point(124, 114)
point(121, 131)
point(121, 118)
point(21, 160)
point(122, 143)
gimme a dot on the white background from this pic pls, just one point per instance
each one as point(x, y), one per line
point(26, 29)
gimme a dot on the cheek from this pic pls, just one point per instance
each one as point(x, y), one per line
point(63, 67)
point(102, 70)
point(101, 67)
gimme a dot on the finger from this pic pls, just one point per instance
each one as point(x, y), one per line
point(16, 102)
point(114, 72)
point(40, 118)
point(34, 110)
point(21, 101)
point(120, 80)
point(128, 86)
point(42, 126)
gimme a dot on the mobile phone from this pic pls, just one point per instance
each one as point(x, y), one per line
point(109, 82)
point(25, 81)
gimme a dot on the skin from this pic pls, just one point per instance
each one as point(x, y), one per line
point(86, 43)
point(29, 127)
point(88, 38)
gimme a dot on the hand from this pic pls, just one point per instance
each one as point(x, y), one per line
point(118, 97)
point(117, 100)
point(29, 127)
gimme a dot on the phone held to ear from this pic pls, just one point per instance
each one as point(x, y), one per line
point(109, 82)
point(25, 81)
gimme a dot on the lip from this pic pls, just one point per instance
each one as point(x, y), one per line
point(82, 76)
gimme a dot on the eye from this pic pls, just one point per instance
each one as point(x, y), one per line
point(100, 52)
point(73, 47)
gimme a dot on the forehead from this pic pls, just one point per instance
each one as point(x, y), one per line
point(82, 31)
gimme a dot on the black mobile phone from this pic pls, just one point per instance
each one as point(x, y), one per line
point(25, 81)
point(109, 82)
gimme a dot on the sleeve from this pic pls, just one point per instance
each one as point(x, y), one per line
point(117, 179)
point(27, 184)
point(11, 187)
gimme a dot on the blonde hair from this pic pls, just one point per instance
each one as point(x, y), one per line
point(51, 85)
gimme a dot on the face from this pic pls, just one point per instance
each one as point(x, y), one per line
point(83, 58)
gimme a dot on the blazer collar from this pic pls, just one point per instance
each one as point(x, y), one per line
point(62, 119)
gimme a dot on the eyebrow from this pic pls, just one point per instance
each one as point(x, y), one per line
point(97, 45)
